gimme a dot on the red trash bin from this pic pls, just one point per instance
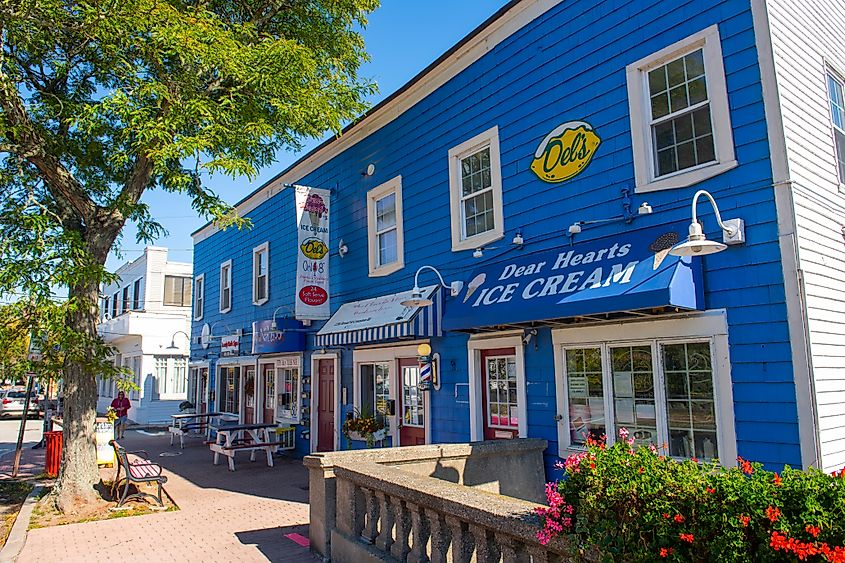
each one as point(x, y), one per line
point(54, 452)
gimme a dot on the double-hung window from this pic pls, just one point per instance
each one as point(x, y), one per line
point(836, 92)
point(106, 312)
point(680, 121)
point(177, 291)
point(199, 296)
point(670, 391)
point(384, 223)
point(126, 302)
point(115, 303)
point(475, 185)
point(260, 274)
point(226, 286)
point(136, 295)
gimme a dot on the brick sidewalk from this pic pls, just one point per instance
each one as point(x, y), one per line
point(223, 516)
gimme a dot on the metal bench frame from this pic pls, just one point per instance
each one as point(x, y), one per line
point(123, 462)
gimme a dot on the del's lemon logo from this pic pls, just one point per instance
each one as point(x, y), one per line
point(565, 152)
point(314, 248)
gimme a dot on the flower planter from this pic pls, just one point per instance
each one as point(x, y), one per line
point(378, 435)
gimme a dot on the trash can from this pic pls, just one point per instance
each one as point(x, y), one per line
point(54, 452)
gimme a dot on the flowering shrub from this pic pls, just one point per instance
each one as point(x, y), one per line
point(633, 504)
point(365, 424)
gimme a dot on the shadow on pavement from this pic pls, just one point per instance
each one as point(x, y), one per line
point(275, 544)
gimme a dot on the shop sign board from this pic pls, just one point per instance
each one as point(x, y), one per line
point(312, 265)
point(625, 272)
point(104, 432)
point(277, 337)
point(230, 345)
point(565, 152)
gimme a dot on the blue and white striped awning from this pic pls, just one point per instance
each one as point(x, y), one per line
point(383, 318)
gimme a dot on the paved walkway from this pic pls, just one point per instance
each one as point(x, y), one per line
point(223, 516)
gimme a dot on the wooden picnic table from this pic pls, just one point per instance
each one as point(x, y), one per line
point(230, 438)
point(197, 424)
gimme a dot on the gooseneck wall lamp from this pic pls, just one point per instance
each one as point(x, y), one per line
point(417, 300)
point(173, 339)
point(733, 232)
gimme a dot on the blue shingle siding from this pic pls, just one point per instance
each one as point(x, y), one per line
point(568, 64)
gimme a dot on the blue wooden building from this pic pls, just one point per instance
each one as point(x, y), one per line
point(551, 163)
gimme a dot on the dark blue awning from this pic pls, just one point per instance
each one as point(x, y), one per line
point(624, 273)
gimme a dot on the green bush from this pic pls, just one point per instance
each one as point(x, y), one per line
point(619, 503)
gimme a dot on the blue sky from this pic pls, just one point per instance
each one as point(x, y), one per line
point(403, 37)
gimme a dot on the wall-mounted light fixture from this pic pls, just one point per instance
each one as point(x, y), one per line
point(733, 232)
point(173, 340)
point(644, 209)
point(417, 299)
point(342, 249)
point(517, 239)
point(371, 169)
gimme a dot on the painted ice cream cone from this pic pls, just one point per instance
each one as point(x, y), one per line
point(315, 218)
point(476, 282)
point(661, 247)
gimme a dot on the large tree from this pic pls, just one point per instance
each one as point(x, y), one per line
point(101, 100)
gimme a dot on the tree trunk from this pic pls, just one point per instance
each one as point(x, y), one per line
point(79, 474)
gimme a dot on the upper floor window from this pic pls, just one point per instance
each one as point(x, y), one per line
point(199, 296)
point(136, 295)
point(126, 302)
point(115, 299)
point(226, 286)
point(680, 121)
point(836, 91)
point(106, 312)
point(260, 274)
point(475, 185)
point(177, 291)
point(171, 377)
point(384, 223)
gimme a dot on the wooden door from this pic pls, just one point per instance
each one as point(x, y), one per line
point(325, 406)
point(202, 390)
point(249, 394)
point(268, 381)
point(499, 396)
point(412, 404)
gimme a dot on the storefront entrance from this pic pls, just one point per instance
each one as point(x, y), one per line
point(249, 394)
point(412, 414)
point(499, 397)
point(325, 406)
point(268, 391)
point(202, 390)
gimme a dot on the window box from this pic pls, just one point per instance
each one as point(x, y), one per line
point(376, 436)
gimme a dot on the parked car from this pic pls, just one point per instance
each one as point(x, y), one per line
point(12, 401)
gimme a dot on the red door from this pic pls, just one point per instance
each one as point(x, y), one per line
point(249, 394)
point(203, 390)
point(325, 406)
point(412, 414)
point(268, 380)
point(498, 393)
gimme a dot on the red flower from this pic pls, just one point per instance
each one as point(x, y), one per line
point(666, 551)
point(694, 459)
point(666, 515)
point(773, 513)
point(679, 519)
point(745, 466)
point(711, 490)
point(745, 519)
point(812, 530)
point(778, 480)
point(686, 537)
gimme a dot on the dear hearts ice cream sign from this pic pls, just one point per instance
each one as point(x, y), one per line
point(630, 271)
point(312, 267)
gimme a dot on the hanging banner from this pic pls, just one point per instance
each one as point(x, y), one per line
point(312, 272)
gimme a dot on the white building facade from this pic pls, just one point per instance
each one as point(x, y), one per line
point(142, 314)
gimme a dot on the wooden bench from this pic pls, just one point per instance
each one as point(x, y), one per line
point(249, 445)
point(137, 471)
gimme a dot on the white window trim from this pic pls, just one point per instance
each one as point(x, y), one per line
point(315, 398)
point(199, 366)
point(638, 102)
point(255, 252)
point(489, 138)
point(170, 374)
point(391, 355)
point(476, 408)
point(199, 296)
point(711, 325)
point(227, 263)
point(393, 185)
point(831, 70)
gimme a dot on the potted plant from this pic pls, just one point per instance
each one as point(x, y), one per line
point(366, 426)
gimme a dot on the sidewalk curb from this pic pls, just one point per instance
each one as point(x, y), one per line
point(17, 536)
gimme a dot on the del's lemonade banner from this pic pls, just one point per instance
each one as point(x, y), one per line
point(627, 272)
point(312, 271)
point(565, 152)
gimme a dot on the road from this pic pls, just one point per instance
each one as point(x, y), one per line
point(9, 428)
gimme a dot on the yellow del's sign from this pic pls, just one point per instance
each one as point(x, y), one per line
point(314, 248)
point(565, 152)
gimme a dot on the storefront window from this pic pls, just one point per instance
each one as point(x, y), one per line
point(690, 403)
point(269, 388)
point(501, 392)
point(585, 390)
point(288, 404)
point(412, 398)
point(230, 385)
point(633, 393)
point(375, 388)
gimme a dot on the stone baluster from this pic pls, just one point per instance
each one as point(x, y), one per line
point(512, 550)
point(462, 542)
point(385, 537)
point(485, 548)
point(421, 532)
point(372, 510)
point(350, 508)
point(401, 546)
point(538, 554)
point(440, 536)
